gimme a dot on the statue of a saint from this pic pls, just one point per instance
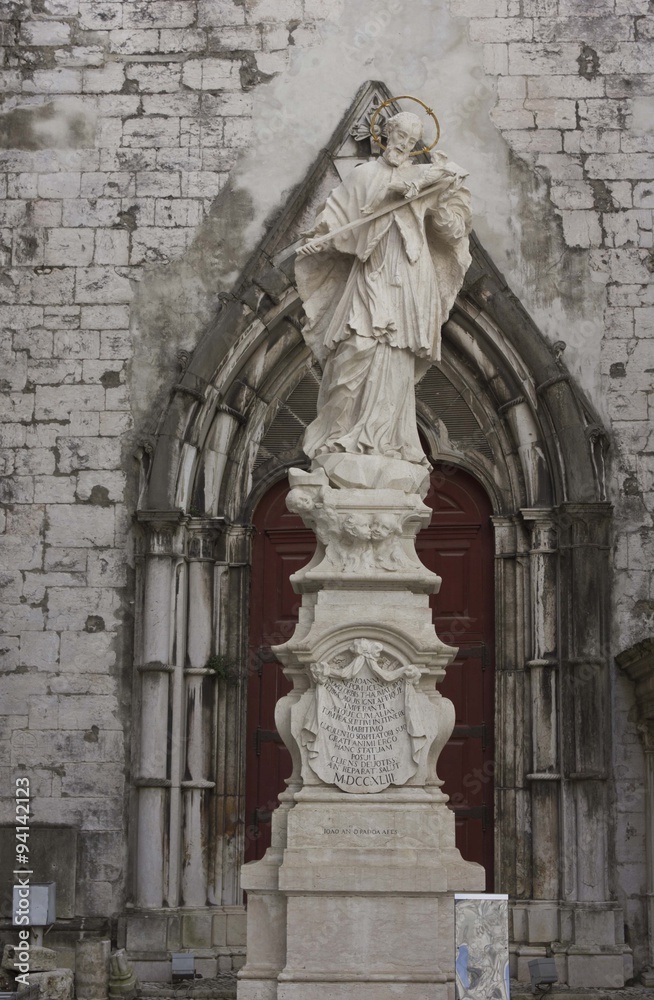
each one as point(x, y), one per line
point(376, 295)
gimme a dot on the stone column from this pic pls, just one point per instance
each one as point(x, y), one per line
point(594, 921)
point(512, 848)
point(92, 969)
point(647, 731)
point(231, 609)
point(199, 681)
point(543, 666)
point(638, 663)
point(164, 543)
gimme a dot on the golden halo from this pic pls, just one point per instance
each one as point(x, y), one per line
point(405, 97)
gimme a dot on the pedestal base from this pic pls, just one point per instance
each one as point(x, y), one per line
point(360, 903)
point(355, 897)
point(371, 472)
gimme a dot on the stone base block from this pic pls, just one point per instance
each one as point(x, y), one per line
point(55, 985)
point(372, 472)
point(365, 991)
point(92, 969)
point(206, 967)
point(542, 923)
point(399, 937)
point(40, 959)
point(257, 989)
point(364, 908)
point(524, 956)
point(595, 970)
point(147, 932)
point(152, 972)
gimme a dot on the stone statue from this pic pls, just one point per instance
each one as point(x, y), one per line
point(363, 838)
point(376, 296)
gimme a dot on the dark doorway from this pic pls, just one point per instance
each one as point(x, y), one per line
point(458, 545)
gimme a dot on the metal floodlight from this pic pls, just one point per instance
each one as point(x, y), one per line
point(543, 974)
point(183, 966)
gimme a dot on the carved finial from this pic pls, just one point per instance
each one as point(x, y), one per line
point(361, 130)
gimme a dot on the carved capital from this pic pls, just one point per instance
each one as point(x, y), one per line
point(506, 537)
point(203, 534)
point(542, 524)
point(235, 544)
point(646, 730)
point(164, 531)
point(638, 663)
point(584, 524)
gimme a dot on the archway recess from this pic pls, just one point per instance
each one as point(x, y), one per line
point(500, 405)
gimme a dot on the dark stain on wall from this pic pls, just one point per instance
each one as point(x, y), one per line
point(49, 126)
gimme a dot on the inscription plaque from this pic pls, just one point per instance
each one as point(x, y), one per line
point(364, 731)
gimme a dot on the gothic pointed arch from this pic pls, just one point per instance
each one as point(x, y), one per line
point(500, 405)
point(253, 356)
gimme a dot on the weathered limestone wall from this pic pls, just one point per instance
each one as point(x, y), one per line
point(120, 228)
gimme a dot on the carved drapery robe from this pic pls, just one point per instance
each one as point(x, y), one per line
point(375, 302)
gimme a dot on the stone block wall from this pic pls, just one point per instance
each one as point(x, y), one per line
point(121, 126)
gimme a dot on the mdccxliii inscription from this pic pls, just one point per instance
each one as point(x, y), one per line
point(362, 733)
point(365, 727)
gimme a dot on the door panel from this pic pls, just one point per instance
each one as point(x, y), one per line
point(458, 545)
point(282, 545)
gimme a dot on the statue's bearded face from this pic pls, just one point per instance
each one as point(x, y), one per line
point(399, 145)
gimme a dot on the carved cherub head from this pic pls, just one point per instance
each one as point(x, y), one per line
point(382, 526)
point(299, 501)
point(356, 526)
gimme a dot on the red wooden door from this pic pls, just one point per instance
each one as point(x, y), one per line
point(459, 547)
point(281, 546)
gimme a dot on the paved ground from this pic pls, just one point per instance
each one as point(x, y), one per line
point(519, 990)
point(224, 988)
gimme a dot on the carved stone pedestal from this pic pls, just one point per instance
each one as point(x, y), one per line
point(355, 897)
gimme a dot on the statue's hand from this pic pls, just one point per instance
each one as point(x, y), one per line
point(412, 673)
point(412, 189)
point(309, 249)
point(438, 158)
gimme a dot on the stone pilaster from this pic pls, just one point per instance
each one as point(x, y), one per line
point(591, 920)
point(638, 663)
point(232, 579)
point(200, 676)
point(512, 805)
point(164, 547)
point(543, 667)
